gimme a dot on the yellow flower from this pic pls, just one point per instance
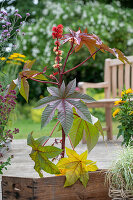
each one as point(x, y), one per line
point(123, 92)
point(129, 91)
point(131, 112)
point(2, 58)
point(118, 102)
point(16, 63)
point(11, 57)
point(20, 55)
point(12, 62)
point(9, 61)
point(116, 112)
point(19, 59)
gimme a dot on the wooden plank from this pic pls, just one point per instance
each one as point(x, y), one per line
point(120, 79)
point(127, 76)
point(52, 188)
point(16, 188)
point(114, 81)
point(132, 76)
point(118, 62)
point(93, 85)
point(107, 78)
point(108, 114)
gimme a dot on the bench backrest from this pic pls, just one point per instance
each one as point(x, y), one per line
point(118, 76)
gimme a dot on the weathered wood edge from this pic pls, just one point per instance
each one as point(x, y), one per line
point(50, 188)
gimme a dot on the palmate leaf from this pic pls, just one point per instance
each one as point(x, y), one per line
point(91, 131)
point(32, 74)
point(92, 42)
point(40, 155)
point(22, 83)
point(76, 167)
point(64, 99)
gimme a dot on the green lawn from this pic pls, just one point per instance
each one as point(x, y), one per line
point(26, 126)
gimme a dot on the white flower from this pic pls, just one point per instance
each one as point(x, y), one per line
point(121, 24)
point(35, 51)
point(24, 41)
point(45, 12)
point(113, 23)
point(92, 20)
point(78, 9)
point(130, 42)
point(24, 48)
point(65, 16)
point(84, 15)
point(29, 28)
point(34, 40)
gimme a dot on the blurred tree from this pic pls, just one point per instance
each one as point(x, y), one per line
point(124, 3)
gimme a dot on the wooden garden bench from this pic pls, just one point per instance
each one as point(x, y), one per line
point(116, 77)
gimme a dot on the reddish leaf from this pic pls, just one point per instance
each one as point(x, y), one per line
point(28, 65)
point(92, 42)
point(32, 74)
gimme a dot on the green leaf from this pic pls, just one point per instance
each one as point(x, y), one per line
point(42, 139)
point(42, 162)
point(91, 135)
point(72, 176)
point(40, 155)
point(91, 131)
point(24, 90)
point(84, 178)
point(76, 132)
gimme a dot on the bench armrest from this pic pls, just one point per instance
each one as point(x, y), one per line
point(85, 85)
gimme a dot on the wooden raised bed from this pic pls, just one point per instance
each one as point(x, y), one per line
point(51, 188)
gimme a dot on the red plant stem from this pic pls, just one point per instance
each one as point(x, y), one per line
point(44, 81)
point(73, 50)
point(70, 142)
point(81, 63)
point(67, 57)
point(51, 133)
point(61, 74)
point(63, 143)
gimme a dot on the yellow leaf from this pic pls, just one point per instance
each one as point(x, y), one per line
point(76, 167)
point(72, 154)
point(83, 156)
point(92, 167)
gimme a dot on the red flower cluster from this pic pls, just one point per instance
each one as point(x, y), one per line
point(57, 31)
point(52, 76)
